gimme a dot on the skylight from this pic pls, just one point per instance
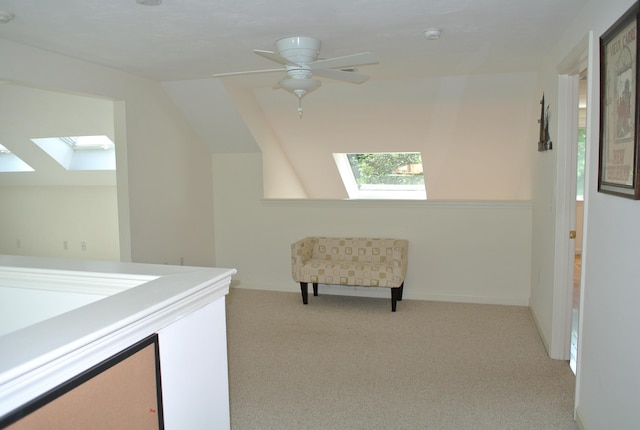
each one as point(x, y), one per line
point(9, 162)
point(88, 142)
point(80, 152)
point(382, 175)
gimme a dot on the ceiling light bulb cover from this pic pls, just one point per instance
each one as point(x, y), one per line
point(299, 87)
point(149, 2)
point(432, 33)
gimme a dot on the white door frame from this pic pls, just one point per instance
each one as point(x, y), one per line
point(566, 167)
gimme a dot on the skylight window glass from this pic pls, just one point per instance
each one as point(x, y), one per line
point(88, 142)
point(9, 162)
point(80, 152)
point(382, 175)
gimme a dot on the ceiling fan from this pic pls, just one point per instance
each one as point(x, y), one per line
point(299, 56)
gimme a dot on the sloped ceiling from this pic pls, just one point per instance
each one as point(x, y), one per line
point(183, 42)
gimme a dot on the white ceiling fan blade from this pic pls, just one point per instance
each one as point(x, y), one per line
point(361, 59)
point(248, 72)
point(340, 75)
point(274, 57)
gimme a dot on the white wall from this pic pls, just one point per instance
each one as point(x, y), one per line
point(543, 224)
point(608, 378)
point(44, 208)
point(279, 175)
point(42, 219)
point(458, 251)
point(164, 180)
point(195, 380)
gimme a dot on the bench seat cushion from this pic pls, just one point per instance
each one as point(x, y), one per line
point(349, 273)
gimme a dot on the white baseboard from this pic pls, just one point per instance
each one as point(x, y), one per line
point(483, 300)
point(579, 420)
point(545, 342)
point(381, 292)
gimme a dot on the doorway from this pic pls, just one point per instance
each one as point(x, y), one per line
point(579, 202)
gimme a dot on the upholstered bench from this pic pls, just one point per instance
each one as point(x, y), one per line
point(365, 262)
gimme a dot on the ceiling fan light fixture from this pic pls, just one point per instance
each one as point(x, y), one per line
point(299, 87)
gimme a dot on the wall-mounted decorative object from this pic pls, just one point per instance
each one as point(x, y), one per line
point(618, 167)
point(544, 144)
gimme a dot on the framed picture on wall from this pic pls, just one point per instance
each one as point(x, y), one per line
point(618, 164)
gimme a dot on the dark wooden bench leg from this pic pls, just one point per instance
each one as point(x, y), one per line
point(305, 293)
point(395, 293)
point(315, 288)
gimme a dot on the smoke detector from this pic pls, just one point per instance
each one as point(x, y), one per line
point(5, 17)
point(432, 33)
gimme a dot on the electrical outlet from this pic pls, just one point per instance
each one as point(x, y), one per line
point(83, 245)
point(65, 245)
point(18, 243)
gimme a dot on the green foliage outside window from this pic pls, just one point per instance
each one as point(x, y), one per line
point(387, 168)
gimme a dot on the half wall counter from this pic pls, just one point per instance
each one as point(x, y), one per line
point(112, 345)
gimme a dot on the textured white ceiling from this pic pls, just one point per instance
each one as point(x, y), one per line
point(191, 39)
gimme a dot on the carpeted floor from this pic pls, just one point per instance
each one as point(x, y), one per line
point(350, 363)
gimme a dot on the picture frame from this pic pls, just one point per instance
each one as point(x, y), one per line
point(618, 146)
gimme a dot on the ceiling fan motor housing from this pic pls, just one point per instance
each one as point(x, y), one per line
point(299, 49)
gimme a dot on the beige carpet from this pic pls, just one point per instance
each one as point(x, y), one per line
point(350, 363)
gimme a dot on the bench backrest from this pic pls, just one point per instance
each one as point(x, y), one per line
point(361, 250)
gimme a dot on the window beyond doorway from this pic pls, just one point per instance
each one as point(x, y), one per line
point(582, 139)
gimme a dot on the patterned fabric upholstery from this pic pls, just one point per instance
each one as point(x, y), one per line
point(369, 262)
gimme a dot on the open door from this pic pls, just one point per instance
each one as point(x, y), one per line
point(569, 78)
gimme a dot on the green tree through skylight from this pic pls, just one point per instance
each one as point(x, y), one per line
point(387, 168)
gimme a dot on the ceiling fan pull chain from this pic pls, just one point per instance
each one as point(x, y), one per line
point(300, 107)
